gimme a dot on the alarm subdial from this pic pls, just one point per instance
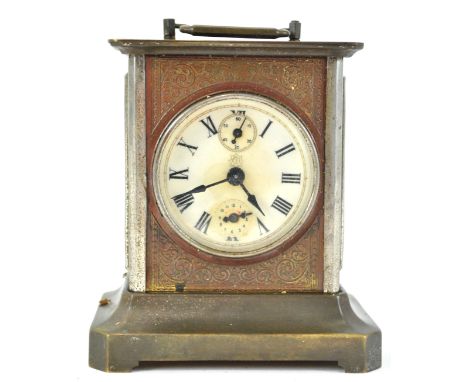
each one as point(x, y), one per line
point(234, 220)
point(237, 132)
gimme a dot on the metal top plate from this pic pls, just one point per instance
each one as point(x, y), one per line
point(237, 48)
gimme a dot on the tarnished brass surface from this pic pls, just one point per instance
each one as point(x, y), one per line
point(237, 48)
point(134, 327)
point(226, 31)
point(293, 32)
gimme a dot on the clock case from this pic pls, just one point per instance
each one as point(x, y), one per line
point(179, 305)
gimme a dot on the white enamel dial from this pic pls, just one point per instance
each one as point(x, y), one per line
point(236, 174)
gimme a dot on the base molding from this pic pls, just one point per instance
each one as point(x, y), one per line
point(134, 327)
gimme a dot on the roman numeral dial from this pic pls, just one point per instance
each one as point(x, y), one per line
point(262, 227)
point(281, 205)
point(183, 201)
point(191, 148)
point(209, 124)
point(285, 150)
point(266, 128)
point(290, 178)
point(234, 175)
point(181, 174)
point(204, 222)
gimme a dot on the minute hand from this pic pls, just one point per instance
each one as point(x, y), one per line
point(251, 198)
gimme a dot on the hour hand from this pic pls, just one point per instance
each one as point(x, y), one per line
point(185, 199)
point(252, 199)
point(203, 188)
point(234, 218)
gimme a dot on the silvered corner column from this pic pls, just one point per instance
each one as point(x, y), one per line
point(135, 201)
point(333, 188)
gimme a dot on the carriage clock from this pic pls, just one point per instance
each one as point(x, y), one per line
point(234, 171)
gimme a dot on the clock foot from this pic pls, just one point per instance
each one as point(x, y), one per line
point(136, 327)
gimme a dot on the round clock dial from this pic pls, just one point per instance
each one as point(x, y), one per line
point(236, 174)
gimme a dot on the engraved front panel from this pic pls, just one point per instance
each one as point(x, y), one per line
point(171, 85)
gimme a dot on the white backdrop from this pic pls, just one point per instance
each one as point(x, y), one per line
point(62, 176)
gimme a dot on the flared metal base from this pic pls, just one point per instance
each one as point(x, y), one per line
point(133, 327)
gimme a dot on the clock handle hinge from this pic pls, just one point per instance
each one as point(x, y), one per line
point(293, 31)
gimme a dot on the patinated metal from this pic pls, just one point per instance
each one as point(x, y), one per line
point(237, 48)
point(228, 31)
point(136, 327)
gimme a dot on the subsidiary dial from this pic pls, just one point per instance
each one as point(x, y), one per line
point(234, 219)
point(237, 131)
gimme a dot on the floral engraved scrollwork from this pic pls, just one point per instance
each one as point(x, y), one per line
point(181, 75)
point(202, 275)
point(299, 255)
point(221, 274)
point(247, 274)
point(299, 79)
point(289, 270)
point(264, 276)
point(180, 269)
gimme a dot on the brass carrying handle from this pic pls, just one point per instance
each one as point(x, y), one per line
point(293, 32)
